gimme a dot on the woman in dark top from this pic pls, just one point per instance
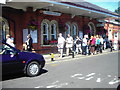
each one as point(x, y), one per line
point(29, 43)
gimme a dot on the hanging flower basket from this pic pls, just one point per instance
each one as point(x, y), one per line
point(33, 25)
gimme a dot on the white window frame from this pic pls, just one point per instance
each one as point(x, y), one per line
point(46, 33)
point(68, 31)
point(74, 30)
point(54, 31)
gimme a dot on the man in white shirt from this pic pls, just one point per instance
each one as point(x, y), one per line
point(101, 44)
point(9, 41)
point(84, 45)
point(69, 44)
point(60, 45)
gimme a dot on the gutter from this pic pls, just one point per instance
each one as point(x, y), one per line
point(69, 4)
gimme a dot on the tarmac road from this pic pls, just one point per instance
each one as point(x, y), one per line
point(98, 71)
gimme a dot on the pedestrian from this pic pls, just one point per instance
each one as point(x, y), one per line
point(88, 46)
point(92, 43)
point(101, 44)
point(29, 43)
point(69, 44)
point(111, 45)
point(78, 42)
point(74, 44)
point(10, 40)
point(97, 44)
point(107, 42)
point(60, 45)
point(84, 45)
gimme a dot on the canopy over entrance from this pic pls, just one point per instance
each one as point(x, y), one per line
point(74, 8)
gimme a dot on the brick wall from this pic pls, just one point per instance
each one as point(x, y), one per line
point(18, 20)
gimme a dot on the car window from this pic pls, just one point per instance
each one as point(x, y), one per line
point(7, 50)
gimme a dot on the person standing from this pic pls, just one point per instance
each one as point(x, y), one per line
point(29, 43)
point(78, 44)
point(97, 44)
point(60, 45)
point(111, 45)
point(92, 43)
point(84, 45)
point(101, 44)
point(69, 44)
point(10, 40)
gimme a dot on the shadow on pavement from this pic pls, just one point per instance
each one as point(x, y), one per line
point(19, 75)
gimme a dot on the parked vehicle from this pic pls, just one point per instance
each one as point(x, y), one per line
point(14, 60)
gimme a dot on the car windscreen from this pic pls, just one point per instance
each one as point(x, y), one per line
point(7, 50)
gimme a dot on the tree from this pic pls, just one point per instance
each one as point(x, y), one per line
point(118, 11)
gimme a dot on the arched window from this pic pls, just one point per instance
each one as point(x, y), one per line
point(68, 30)
point(53, 32)
point(45, 34)
point(92, 28)
point(74, 30)
point(4, 28)
point(48, 32)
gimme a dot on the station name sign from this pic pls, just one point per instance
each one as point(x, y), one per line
point(52, 13)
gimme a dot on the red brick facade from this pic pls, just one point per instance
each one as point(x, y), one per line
point(19, 20)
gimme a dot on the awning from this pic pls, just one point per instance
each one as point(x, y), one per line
point(62, 7)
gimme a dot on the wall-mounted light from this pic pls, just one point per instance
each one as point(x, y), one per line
point(72, 16)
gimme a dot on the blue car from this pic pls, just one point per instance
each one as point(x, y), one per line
point(14, 60)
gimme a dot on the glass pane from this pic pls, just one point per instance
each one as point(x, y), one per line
point(45, 28)
point(53, 37)
point(74, 31)
point(52, 29)
point(45, 40)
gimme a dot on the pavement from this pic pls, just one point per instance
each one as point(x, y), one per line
point(57, 58)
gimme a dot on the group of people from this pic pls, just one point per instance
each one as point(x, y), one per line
point(27, 46)
point(85, 46)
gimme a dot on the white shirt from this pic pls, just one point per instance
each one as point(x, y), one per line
point(101, 40)
point(10, 42)
point(69, 40)
point(84, 42)
point(61, 40)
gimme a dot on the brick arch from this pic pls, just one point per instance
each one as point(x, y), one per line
point(56, 23)
point(47, 22)
point(74, 23)
point(65, 33)
point(92, 28)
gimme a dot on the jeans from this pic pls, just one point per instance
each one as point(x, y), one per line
point(84, 49)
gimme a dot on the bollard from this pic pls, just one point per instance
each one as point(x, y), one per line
point(52, 57)
point(73, 54)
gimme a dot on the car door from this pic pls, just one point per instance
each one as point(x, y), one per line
point(10, 61)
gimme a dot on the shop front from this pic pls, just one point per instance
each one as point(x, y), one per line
point(45, 20)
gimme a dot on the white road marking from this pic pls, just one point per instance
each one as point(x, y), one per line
point(89, 78)
point(98, 80)
point(38, 87)
point(90, 74)
point(114, 82)
point(81, 77)
point(63, 84)
point(109, 75)
point(51, 86)
point(76, 75)
point(55, 82)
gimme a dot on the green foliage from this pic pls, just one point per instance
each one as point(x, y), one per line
point(118, 11)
